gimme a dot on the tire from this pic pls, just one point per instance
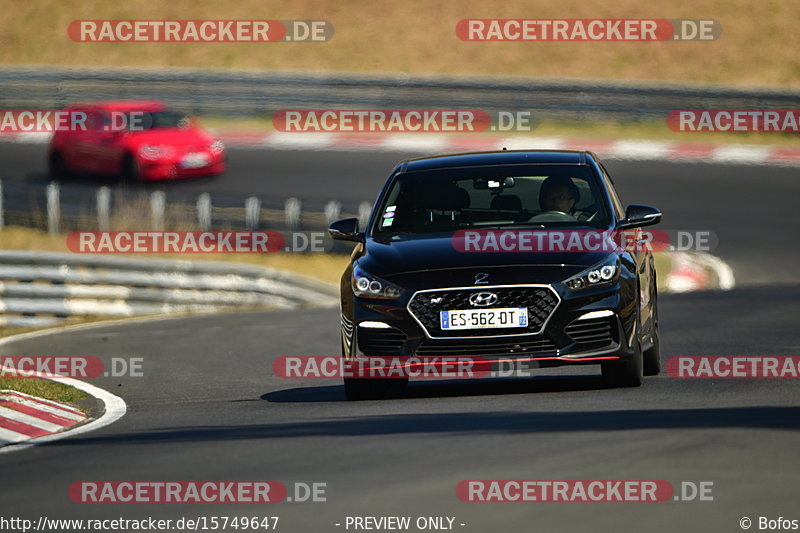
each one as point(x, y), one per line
point(652, 356)
point(57, 167)
point(130, 169)
point(373, 389)
point(630, 372)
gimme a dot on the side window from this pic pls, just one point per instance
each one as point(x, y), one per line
point(618, 207)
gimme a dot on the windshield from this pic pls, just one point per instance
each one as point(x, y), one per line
point(492, 197)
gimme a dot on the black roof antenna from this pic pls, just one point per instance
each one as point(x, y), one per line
point(504, 148)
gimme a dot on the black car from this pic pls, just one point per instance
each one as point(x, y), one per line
point(439, 270)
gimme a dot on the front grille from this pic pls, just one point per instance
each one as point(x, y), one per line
point(540, 301)
point(592, 331)
point(380, 341)
point(486, 347)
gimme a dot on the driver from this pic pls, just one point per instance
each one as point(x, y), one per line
point(558, 193)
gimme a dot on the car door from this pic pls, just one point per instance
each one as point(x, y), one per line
point(76, 149)
point(108, 145)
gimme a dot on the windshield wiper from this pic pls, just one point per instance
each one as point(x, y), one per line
point(504, 226)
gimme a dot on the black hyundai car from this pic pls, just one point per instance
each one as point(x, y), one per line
point(505, 256)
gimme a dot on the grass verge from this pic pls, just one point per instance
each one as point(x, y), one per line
point(757, 46)
point(44, 388)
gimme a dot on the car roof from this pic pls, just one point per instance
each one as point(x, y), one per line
point(122, 105)
point(499, 157)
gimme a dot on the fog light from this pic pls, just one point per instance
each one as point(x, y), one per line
point(392, 292)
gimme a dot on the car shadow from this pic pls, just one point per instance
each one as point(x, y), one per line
point(100, 180)
point(448, 388)
point(465, 423)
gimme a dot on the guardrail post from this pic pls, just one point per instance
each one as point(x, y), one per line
point(2, 221)
point(53, 194)
point(103, 208)
point(204, 211)
point(252, 212)
point(364, 211)
point(292, 209)
point(333, 210)
point(157, 205)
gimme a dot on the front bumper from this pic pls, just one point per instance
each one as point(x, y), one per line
point(172, 169)
point(585, 327)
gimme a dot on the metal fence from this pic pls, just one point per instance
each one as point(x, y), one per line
point(260, 94)
point(42, 288)
point(61, 208)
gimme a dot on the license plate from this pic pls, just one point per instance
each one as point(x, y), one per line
point(509, 317)
point(194, 161)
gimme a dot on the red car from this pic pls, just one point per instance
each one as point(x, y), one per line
point(135, 140)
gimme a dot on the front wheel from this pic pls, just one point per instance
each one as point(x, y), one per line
point(652, 356)
point(630, 372)
point(130, 169)
point(57, 166)
point(373, 389)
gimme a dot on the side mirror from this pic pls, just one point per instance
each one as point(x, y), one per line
point(346, 230)
point(637, 216)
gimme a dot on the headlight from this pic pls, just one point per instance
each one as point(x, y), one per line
point(369, 286)
point(150, 151)
point(216, 147)
point(598, 275)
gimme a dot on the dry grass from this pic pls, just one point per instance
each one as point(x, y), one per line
point(43, 388)
point(758, 44)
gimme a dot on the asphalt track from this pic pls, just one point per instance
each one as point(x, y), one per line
point(209, 407)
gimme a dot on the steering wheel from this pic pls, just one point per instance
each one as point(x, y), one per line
point(553, 216)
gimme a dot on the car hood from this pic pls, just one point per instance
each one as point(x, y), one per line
point(400, 258)
point(177, 137)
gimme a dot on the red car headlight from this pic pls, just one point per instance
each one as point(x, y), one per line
point(217, 147)
point(152, 152)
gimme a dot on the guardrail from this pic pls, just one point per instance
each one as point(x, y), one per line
point(60, 208)
point(42, 288)
point(255, 93)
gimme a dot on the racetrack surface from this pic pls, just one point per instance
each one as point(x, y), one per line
point(210, 408)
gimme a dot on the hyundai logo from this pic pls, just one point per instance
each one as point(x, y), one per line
point(482, 299)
